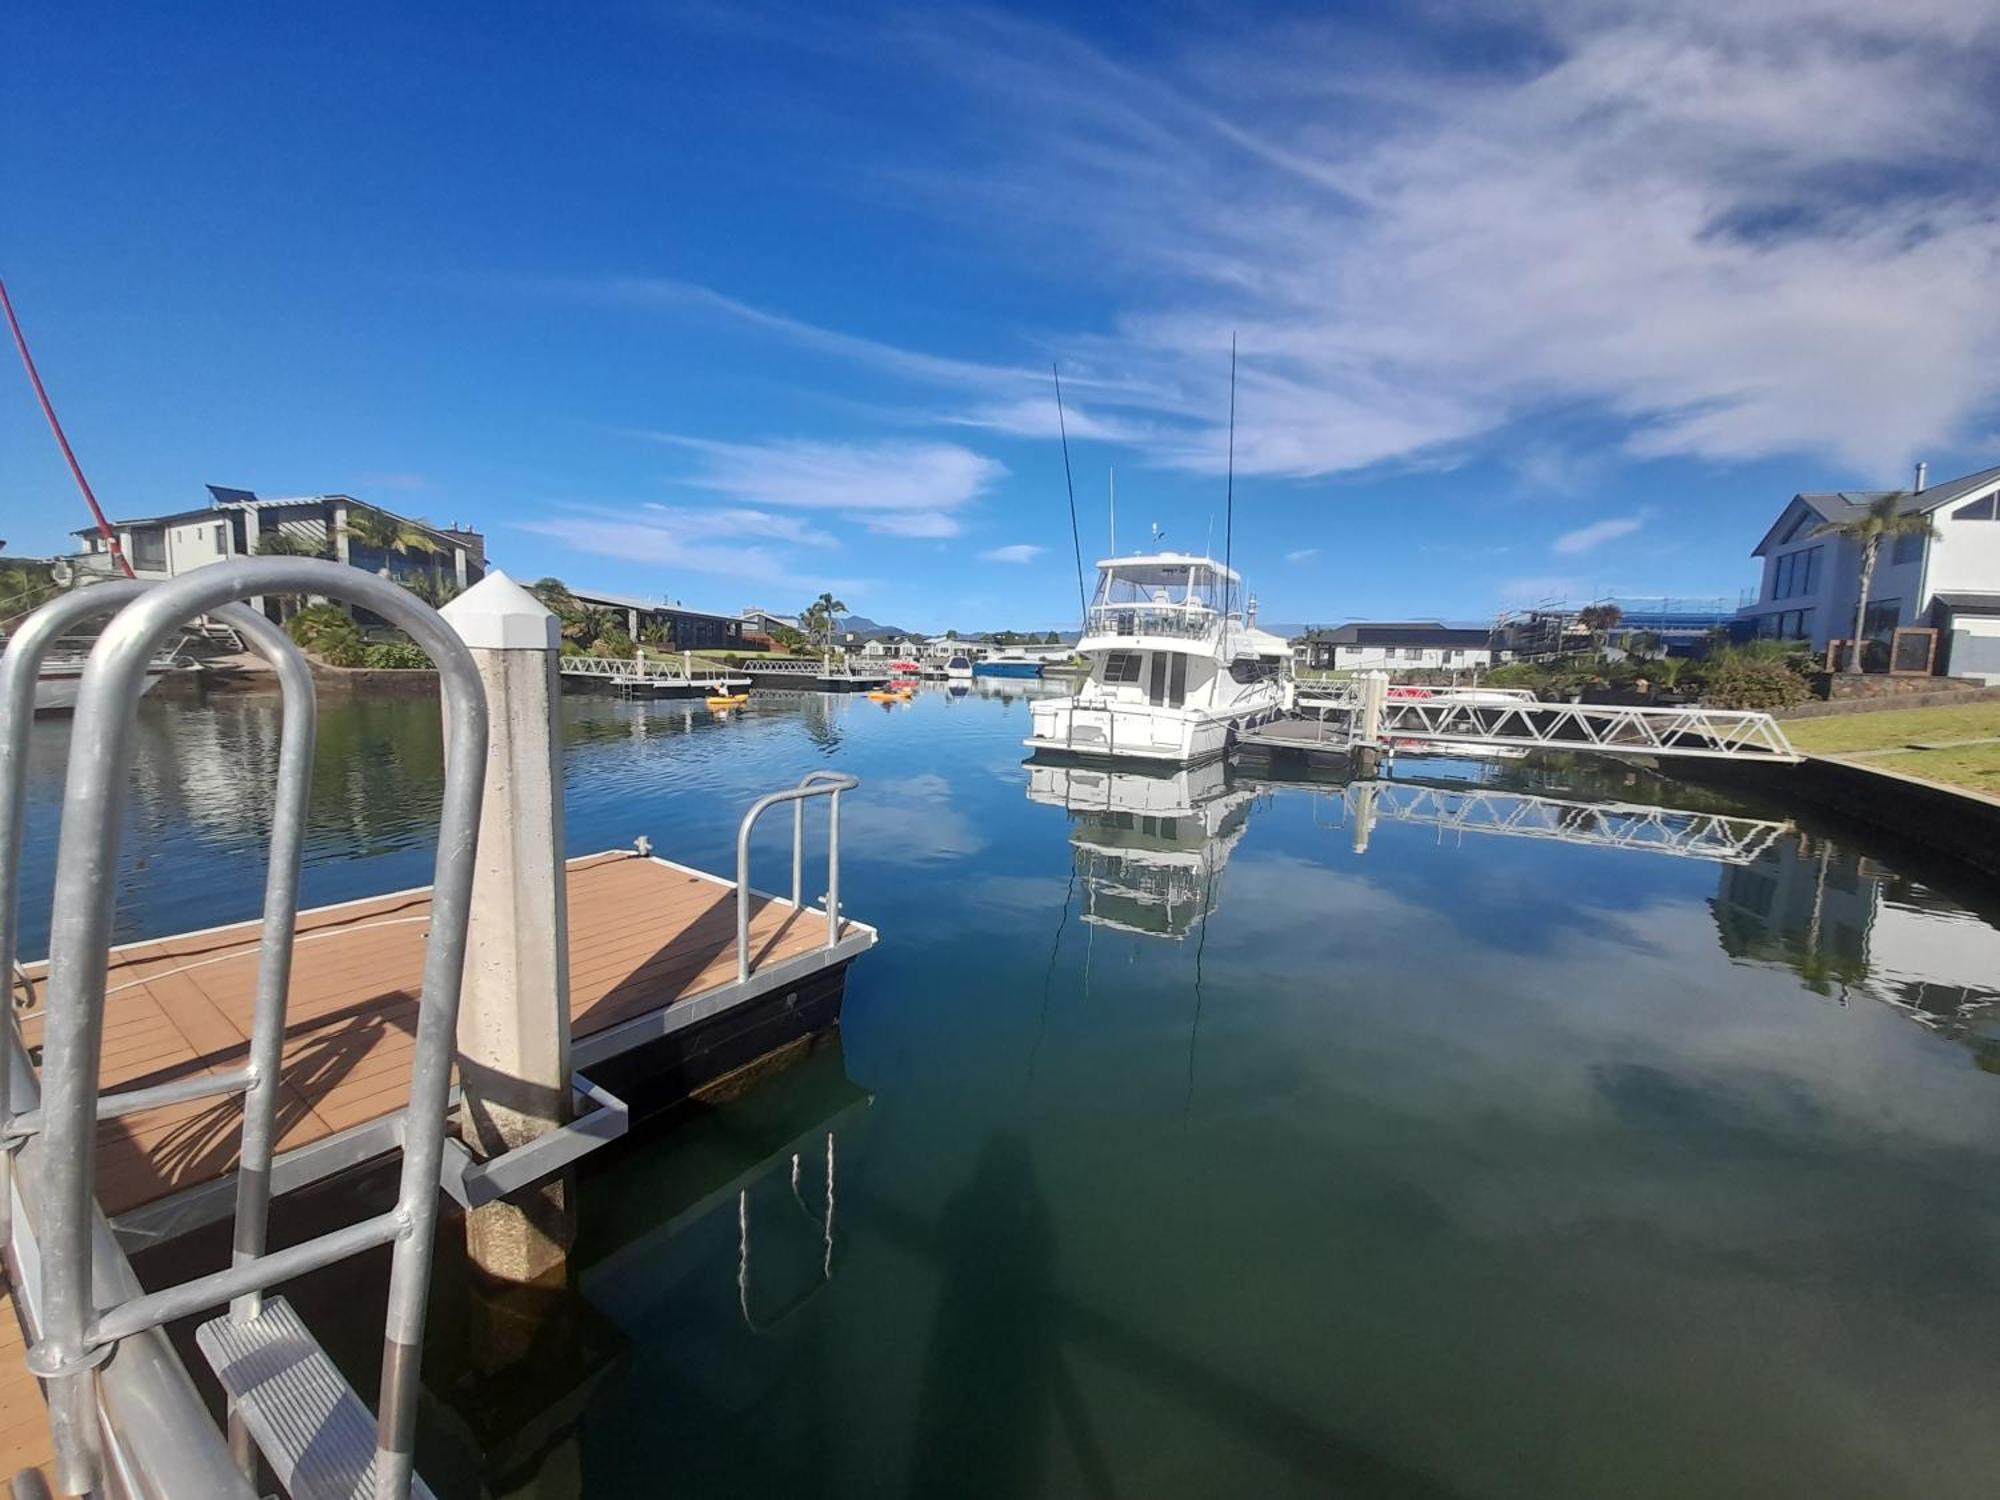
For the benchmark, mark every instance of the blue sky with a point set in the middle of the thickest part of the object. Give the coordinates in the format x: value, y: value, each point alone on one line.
x: 731, y: 304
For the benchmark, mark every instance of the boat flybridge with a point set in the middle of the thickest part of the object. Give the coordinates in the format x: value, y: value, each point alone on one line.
x: 1176, y: 670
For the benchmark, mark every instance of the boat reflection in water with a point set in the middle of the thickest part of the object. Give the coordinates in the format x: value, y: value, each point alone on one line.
x: 1149, y: 845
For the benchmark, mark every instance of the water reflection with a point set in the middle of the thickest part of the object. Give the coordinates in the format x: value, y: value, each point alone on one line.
x: 1149, y: 846
x: 1847, y: 926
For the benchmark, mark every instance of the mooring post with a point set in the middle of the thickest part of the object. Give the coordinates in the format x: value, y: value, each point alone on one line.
x: 1368, y: 721
x: 513, y: 1021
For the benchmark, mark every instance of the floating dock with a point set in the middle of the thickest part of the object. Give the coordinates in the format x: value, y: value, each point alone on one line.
x: 652, y: 953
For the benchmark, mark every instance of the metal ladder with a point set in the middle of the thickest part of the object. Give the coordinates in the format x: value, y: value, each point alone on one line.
x: 123, y: 1426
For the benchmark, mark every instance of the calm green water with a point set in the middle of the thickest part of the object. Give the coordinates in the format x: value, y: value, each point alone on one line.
x: 1186, y: 1151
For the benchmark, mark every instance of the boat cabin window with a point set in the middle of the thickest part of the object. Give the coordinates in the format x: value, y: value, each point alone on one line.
x: 1169, y: 684
x: 1160, y: 585
x: 1121, y: 666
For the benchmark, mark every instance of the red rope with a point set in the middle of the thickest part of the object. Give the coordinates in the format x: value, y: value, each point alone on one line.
x: 49, y: 411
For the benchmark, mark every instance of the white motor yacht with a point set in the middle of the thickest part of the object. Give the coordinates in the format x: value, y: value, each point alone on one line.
x: 1176, y: 669
x: 958, y: 669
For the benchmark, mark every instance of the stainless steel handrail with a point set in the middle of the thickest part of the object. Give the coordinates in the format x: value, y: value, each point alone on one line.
x: 159, y: 1415
x: 77, y: 1335
x: 828, y: 784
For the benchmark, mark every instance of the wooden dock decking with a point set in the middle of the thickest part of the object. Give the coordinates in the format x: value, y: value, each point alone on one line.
x: 24, y: 1422
x: 644, y: 935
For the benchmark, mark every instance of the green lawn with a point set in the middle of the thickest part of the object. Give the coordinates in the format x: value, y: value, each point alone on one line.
x: 1881, y: 740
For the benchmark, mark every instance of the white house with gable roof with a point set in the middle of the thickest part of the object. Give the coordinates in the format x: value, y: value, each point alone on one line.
x: 1950, y: 581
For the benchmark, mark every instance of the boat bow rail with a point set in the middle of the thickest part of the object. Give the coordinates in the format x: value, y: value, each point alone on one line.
x: 133, y: 1424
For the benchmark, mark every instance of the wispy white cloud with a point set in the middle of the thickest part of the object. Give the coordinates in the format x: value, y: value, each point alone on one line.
x: 1019, y: 552
x: 1302, y: 554
x: 1596, y: 534
x: 1733, y: 231
x: 679, y: 543
x: 1036, y: 417
x: 734, y: 521
x: 907, y: 489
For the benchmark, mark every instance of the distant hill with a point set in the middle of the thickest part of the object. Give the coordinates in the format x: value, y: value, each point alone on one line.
x: 862, y: 625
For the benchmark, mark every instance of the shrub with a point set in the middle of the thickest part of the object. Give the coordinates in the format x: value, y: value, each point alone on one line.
x: 398, y: 655
x: 317, y: 623
x: 1752, y: 681
x: 342, y: 650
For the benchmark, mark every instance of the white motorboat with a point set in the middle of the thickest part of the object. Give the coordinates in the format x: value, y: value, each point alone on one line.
x: 958, y: 669
x: 1175, y: 669
x: 57, y: 682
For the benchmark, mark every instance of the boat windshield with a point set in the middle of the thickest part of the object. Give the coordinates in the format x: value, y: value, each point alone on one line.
x: 1160, y: 586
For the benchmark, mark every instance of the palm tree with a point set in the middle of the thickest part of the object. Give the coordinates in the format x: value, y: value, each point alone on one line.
x: 658, y: 634
x: 285, y: 544
x: 1600, y: 620
x: 591, y: 623
x: 390, y: 535
x: 819, y: 619
x: 1884, y: 518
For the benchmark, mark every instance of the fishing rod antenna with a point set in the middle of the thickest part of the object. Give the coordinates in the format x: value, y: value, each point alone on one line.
x: 1075, y: 540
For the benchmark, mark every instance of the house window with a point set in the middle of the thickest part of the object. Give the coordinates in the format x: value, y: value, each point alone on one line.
x: 222, y: 541
x: 1987, y: 509
x: 149, y: 550
x: 1121, y: 666
x: 1881, y: 618
x: 1796, y: 573
x: 1907, y: 550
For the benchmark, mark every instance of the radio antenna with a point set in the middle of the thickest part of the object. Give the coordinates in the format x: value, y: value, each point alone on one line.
x: 1075, y: 541
x: 1229, y: 503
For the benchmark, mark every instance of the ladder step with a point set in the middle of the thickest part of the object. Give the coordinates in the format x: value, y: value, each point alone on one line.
x: 316, y: 1434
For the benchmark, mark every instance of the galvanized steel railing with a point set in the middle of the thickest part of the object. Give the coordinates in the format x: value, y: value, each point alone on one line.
x: 828, y: 784
x: 146, y: 1392
x: 78, y: 1330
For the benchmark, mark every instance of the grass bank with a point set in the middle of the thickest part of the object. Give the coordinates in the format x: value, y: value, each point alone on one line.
x: 1889, y: 740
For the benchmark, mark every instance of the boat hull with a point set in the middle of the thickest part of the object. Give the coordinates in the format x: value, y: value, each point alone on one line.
x: 1007, y: 669
x: 55, y: 692
x: 1068, y: 727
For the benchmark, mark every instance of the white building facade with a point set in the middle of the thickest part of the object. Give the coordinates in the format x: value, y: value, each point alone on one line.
x: 1415, y: 645
x: 1811, y: 583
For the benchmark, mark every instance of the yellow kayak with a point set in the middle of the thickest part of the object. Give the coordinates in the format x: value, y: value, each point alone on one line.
x: 728, y: 700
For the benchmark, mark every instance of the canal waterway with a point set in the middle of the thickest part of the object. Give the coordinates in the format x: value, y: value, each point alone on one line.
x: 1479, y: 1134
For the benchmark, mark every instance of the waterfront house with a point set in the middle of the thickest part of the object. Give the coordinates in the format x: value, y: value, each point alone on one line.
x: 1361, y: 646
x: 687, y: 629
x: 766, y: 622
x: 236, y: 522
x: 239, y: 523
x: 1810, y: 583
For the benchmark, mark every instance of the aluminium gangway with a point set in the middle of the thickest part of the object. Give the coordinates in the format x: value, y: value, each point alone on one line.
x: 1506, y: 720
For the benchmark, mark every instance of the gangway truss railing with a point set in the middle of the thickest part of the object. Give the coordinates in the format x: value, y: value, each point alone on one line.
x: 87, y: 1304
x: 1606, y: 825
x: 648, y: 669
x: 827, y: 784
x: 1482, y: 716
